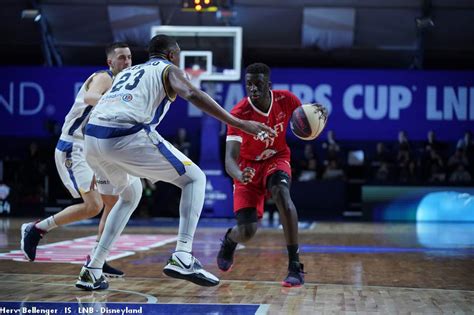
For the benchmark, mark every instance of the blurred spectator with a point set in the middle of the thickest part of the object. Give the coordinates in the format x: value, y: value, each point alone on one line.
x: 432, y: 143
x: 332, y: 148
x: 403, y: 143
x: 308, y: 154
x: 310, y: 173
x: 403, y: 154
x: 460, y: 175
x: 435, y: 168
x: 181, y: 142
x: 333, y: 171
x: 403, y: 157
x: 466, y: 142
x: 381, y: 155
x: 409, y: 173
x: 382, y: 174
x: 458, y: 158
x: 4, y: 201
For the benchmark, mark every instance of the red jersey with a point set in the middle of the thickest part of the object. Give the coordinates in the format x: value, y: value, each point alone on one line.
x: 283, y: 103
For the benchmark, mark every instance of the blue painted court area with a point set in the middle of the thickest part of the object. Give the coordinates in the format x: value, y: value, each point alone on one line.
x: 125, y: 308
x: 377, y: 249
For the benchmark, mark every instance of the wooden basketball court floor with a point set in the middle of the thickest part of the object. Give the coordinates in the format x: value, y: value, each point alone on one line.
x: 352, y: 268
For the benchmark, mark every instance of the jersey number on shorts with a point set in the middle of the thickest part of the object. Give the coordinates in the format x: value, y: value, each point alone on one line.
x: 136, y: 79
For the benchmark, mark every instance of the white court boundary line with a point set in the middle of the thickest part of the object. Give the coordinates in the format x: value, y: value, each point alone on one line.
x: 150, y: 298
x: 261, y: 310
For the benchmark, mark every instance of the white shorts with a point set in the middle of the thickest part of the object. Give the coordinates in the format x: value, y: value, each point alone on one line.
x: 73, y: 169
x: 71, y: 164
x: 117, y: 160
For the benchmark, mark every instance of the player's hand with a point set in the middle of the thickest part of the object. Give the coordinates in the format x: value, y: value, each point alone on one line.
x: 261, y: 131
x: 247, y: 175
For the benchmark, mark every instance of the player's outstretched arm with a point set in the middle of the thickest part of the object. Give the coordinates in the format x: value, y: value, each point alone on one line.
x: 183, y: 87
x: 96, y: 87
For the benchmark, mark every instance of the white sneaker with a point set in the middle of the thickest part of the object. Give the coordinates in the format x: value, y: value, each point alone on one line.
x: 91, y: 279
x: 183, y: 265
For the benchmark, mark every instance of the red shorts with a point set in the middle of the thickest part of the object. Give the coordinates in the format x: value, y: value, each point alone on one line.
x: 252, y: 195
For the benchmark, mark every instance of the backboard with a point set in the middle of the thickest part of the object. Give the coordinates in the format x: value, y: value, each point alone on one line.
x: 213, y: 52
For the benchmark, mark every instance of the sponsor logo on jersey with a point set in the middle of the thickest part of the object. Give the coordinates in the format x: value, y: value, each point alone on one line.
x: 103, y: 182
x: 127, y: 97
x: 280, y: 97
x: 268, y: 153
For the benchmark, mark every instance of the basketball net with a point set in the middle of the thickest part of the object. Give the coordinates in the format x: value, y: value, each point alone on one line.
x: 194, y: 75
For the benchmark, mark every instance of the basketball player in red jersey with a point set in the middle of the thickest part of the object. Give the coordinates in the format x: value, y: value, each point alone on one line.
x: 260, y: 168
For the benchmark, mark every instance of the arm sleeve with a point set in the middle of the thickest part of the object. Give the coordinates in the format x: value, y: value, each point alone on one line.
x: 234, y: 134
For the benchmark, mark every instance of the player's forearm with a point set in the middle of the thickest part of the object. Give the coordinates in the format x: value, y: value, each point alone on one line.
x: 232, y: 168
x: 205, y: 103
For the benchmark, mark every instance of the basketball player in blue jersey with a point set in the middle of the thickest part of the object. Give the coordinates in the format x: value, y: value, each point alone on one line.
x: 75, y: 173
x: 122, y: 144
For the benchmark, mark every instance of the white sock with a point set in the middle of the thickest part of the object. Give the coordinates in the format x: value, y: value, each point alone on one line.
x: 193, y: 185
x: 186, y: 258
x: 94, y: 248
x: 47, y: 224
x: 116, y: 221
x: 97, y: 272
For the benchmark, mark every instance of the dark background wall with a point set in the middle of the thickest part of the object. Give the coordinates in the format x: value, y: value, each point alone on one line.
x: 341, y: 33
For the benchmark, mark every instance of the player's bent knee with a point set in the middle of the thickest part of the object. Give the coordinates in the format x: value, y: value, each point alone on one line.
x: 93, y: 207
x: 194, y: 175
x: 197, y: 175
x: 133, y: 192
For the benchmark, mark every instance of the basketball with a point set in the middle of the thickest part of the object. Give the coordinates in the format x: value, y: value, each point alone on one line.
x: 308, y: 121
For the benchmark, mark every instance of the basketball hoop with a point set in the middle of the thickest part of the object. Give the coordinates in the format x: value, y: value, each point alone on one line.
x: 194, y: 75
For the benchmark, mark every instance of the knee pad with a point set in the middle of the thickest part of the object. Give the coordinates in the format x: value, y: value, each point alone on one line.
x: 246, y: 216
x: 278, y: 178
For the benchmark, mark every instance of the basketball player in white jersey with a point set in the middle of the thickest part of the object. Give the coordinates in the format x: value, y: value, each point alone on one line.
x: 120, y: 143
x: 71, y: 164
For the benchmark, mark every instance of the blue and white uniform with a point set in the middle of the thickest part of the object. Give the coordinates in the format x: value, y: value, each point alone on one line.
x: 121, y: 139
x: 69, y: 155
x: 121, y: 144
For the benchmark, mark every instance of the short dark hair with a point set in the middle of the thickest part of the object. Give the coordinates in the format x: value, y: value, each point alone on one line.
x: 111, y: 48
x: 257, y: 68
x: 161, y: 45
